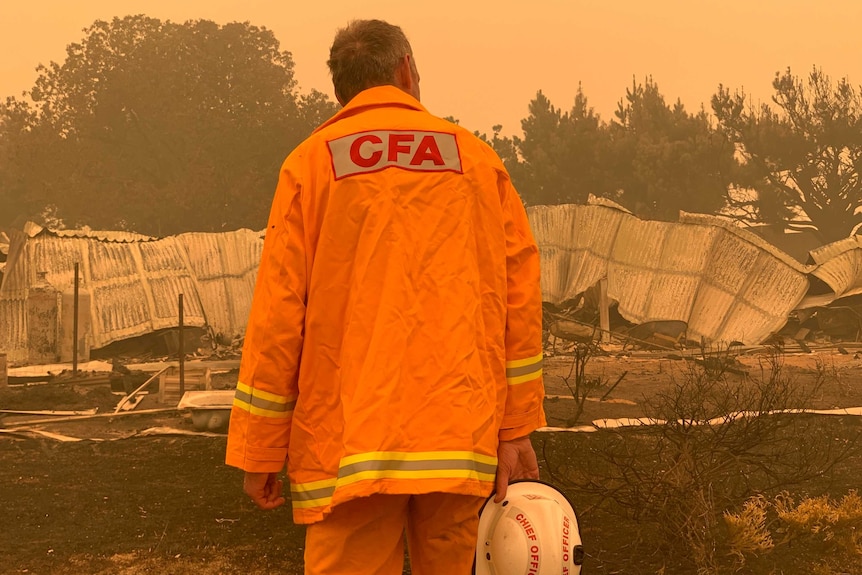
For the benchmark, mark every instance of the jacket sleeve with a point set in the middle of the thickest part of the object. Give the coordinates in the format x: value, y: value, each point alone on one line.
x: 266, y: 392
x: 525, y: 389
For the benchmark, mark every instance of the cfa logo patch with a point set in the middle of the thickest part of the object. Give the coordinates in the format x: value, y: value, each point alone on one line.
x: 376, y: 150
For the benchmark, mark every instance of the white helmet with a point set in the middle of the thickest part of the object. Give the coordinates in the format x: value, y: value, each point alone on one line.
x: 533, y: 531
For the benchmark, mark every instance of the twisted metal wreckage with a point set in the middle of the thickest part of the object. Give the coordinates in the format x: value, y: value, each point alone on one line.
x: 723, y: 282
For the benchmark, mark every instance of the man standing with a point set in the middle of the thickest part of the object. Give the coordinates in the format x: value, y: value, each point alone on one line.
x: 393, y: 352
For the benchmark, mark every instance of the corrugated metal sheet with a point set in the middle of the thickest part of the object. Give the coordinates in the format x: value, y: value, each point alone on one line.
x: 725, y: 283
x: 134, y: 285
x: 839, y: 265
x: 652, y: 259
x: 575, y: 244
x: 32, y: 230
x: 225, y: 267
x: 13, y: 299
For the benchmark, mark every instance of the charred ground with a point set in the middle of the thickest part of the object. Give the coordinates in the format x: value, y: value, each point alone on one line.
x: 132, y: 498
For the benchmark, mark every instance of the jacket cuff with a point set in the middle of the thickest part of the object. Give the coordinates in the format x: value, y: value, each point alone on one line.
x: 521, y: 424
x: 258, y: 459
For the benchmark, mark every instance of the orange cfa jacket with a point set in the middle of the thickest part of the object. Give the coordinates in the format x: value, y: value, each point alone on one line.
x: 395, y: 332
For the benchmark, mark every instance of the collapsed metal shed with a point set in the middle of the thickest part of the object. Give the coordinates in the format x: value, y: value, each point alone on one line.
x: 133, y: 281
x: 725, y: 283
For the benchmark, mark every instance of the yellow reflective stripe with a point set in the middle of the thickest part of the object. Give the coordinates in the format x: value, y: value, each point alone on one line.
x: 260, y: 411
x: 265, y: 395
x: 524, y: 378
x: 322, y: 502
x: 415, y: 474
x: 313, y: 485
x: 524, y: 370
x: 395, y: 465
x: 523, y: 362
x: 418, y: 456
x: 263, y: 403
x: 312, y: 494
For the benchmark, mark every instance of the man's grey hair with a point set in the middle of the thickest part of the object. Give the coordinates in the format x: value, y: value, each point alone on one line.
x: 365, y: 54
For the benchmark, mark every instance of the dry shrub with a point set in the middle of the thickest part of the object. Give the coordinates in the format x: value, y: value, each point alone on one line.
x: 819, y: 526
x: 746, y: 531
x: 720, y: 437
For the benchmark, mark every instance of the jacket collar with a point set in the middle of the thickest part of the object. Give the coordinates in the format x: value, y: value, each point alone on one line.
x: 376, y: 97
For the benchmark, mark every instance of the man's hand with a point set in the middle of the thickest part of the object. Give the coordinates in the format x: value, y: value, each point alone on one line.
x: 265, y: 489
x: 516, y: 459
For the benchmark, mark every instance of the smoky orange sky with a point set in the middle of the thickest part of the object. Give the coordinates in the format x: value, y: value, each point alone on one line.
x: 483, y: 62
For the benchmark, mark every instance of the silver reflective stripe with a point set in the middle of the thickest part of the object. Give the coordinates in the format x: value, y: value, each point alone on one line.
x: 242, y: 395
x: 323, y: 492
x: 255, y: 401
x: 395, y: 465
x: 427, y: 465
x: 524, y: 369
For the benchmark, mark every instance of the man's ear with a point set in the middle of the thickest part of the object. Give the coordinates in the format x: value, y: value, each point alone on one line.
x: 403, y: 74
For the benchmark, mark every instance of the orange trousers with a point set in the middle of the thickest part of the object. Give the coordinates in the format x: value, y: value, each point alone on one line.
x: 365, y: 536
